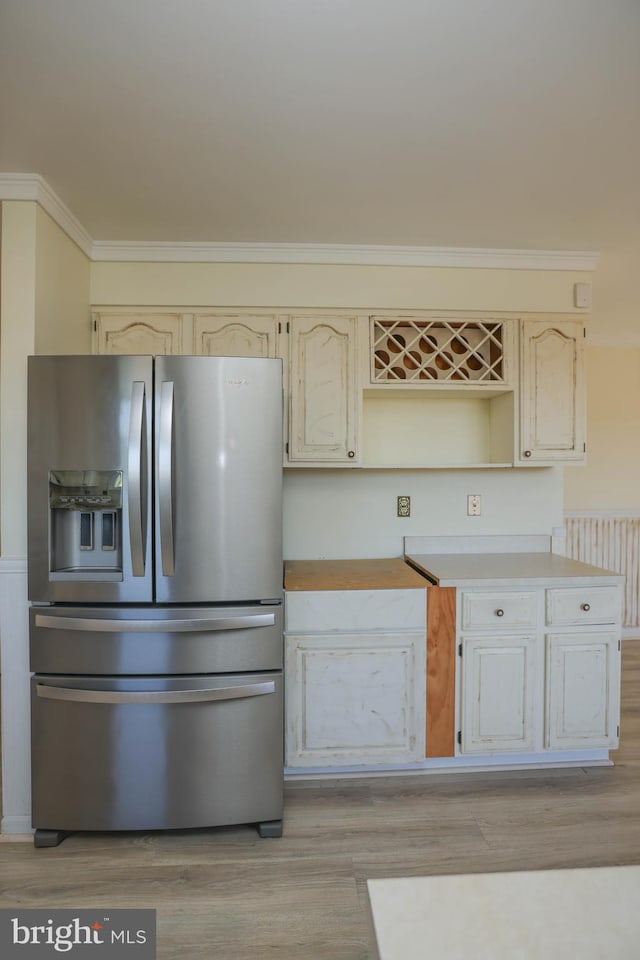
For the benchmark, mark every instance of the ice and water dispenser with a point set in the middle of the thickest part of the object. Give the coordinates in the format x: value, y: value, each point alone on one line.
x: 85, y: 514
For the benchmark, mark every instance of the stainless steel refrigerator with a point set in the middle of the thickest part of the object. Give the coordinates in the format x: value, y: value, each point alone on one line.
x: 155, y: 575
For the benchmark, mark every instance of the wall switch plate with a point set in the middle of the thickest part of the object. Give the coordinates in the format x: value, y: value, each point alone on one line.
x: 474, y: 505
x: 582, y: 295
x: 404, y: 506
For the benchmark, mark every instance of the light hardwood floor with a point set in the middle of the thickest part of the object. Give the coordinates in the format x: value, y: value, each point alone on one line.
x: 226, y: 894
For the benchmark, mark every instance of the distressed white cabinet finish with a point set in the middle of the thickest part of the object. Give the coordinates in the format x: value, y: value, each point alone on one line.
x: 324, y: 389
x: 228, y: 334
x: 320, y: 370
x: 143, y: 332
x: 498, y: 691
x: 353, y: 699
x: 486, y: 610
x: 555, y: 687
x: 552, y: 427
x: 355, y: 670
x: 411, y: 389
x: 579, y: 606
x: 583, y: 691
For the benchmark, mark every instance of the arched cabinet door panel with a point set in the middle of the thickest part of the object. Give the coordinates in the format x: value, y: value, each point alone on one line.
x: 235, y: 335
x: 552, y: 391
x: 324, y: 389
x: 153, y: 334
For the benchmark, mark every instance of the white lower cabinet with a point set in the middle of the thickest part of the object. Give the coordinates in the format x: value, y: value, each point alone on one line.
x: 555, y: 686
x: 498, y: 694
x: 583, y: 690
x: 354, y: 700
x: 355, y: 693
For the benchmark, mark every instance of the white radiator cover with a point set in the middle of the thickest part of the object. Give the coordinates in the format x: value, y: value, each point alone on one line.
x: 609, y: 539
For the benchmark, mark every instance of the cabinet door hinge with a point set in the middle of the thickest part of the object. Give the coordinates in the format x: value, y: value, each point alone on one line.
x: 286, y: 447
x: 584, y: 448
x: 460, y: 737
x: 95, y: 325
x: 459, y: 649
x: 618, y: 733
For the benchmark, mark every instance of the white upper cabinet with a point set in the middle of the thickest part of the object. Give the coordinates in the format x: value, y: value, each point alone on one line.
x: 146, y: 333
x: 230, y: 334
x: 552, y: 391
x: 324, y: 389
x: 411, y: 389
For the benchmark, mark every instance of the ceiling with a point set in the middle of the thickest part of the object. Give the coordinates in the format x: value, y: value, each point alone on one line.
x: 469, y: 123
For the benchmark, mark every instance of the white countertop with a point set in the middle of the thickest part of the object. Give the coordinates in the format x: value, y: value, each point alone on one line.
x: 475, y: 569
x: 535, y: 915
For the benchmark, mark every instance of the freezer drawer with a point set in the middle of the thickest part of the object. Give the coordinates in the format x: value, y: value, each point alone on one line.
x: 155, y: 640
x: 113, y: 753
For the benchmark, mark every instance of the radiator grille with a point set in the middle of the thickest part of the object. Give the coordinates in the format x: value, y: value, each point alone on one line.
x: 613, y: 542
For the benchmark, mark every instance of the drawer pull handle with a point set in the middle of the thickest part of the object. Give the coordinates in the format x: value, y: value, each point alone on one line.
x: 585, y: 606
x: 499, y: 613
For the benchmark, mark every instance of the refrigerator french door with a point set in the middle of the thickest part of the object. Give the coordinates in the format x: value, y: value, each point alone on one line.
x: 155, y: 575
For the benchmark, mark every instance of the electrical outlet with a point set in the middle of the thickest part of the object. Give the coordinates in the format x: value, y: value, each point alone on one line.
x: 474, y: 505
x: 404, y: 506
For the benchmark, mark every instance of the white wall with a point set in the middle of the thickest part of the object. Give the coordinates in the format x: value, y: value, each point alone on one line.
x: 352, y: 513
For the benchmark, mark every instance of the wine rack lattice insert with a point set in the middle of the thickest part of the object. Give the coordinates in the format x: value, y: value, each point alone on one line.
x: 405, y: 349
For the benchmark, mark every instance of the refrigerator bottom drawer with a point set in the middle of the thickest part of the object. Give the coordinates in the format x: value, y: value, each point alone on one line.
x: 144, y: 753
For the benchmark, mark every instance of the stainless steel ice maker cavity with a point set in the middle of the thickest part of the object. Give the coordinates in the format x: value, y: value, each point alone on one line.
x: 85, y: 524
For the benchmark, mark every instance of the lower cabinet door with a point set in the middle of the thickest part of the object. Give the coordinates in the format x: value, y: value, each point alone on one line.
x: 498, y: 694
x: 355, y: 699
x: 582, y: 696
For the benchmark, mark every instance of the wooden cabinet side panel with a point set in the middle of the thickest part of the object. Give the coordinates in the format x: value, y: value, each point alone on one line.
x: 441, y: 662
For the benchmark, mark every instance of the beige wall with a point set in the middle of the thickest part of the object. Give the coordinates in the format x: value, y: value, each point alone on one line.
x: 315, y: 285
x: 611, y: 478
x: 17, y: 305
x: 44, y: 308
x: 62, y: 313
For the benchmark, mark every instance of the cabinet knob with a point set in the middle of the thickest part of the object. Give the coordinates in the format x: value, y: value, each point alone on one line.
x: 585, y: 606
x: 527, y: 453
x: 351, y: 454
x: 499, y: 613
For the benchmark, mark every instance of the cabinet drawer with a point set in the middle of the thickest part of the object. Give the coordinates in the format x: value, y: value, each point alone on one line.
x: 340, y: 611
x: 482, y: 611
x: 583, y: 605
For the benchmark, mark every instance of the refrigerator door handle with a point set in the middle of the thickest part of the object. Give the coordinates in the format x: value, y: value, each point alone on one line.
x: 165, y: 478
x: 156, y: 696
x: 135, y: 474
x: 112, y: 625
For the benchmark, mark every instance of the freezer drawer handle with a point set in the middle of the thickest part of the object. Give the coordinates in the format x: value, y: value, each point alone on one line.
x: 136, y: 479
x: 156, y: 696
x: 155, y: 626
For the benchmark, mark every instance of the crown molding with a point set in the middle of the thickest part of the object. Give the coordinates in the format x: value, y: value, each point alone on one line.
x: 28, y: 186
x: 366, y: 255
x: 31, y: 186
